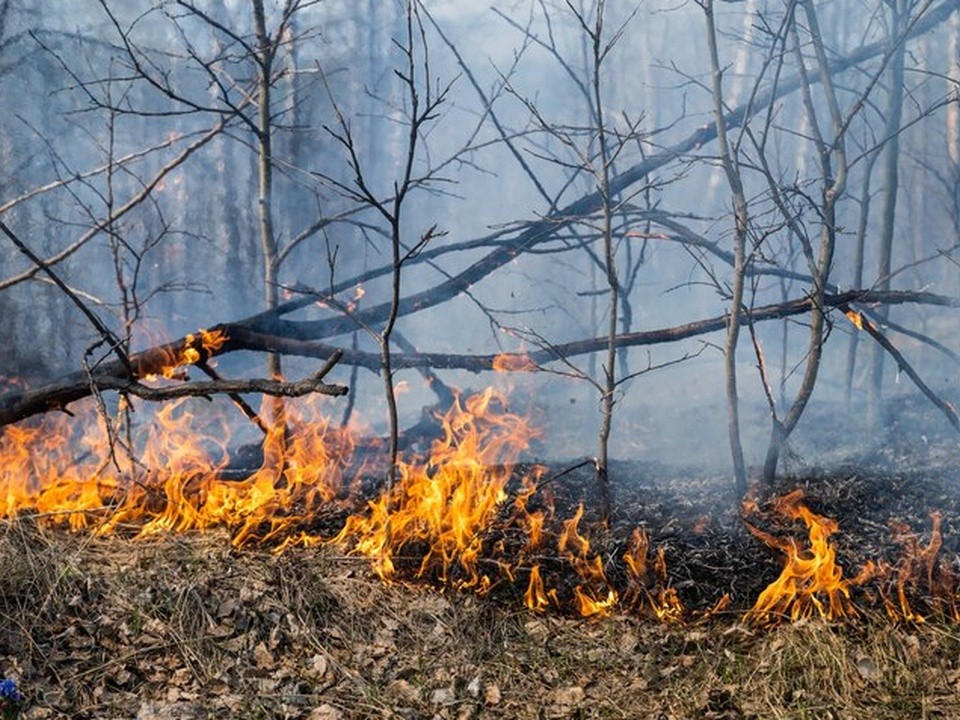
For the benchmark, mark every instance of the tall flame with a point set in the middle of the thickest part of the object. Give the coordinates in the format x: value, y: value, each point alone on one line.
x: 443, y: 505
x: 166, y: 482
x: 811, y: 583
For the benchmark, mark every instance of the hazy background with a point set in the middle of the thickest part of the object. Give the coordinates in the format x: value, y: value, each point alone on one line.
x: 190, y: 250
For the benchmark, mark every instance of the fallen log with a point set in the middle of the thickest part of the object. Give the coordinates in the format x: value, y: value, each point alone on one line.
x: 58, y: 395
x: 241, y: 335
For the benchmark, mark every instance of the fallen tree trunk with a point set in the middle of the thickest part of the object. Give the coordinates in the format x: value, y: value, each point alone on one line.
x: 58, y: 395
x: 244, y: 335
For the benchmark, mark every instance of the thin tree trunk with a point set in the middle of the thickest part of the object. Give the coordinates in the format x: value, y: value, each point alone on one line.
x: 891, y: 180
x: 613, y: 281
x: 834, y: 183
x: 268, y: 243
x: 739, y: 259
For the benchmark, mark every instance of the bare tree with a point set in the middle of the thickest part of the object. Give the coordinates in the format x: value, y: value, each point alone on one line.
x: 741, y: 220
x: 422, y: 105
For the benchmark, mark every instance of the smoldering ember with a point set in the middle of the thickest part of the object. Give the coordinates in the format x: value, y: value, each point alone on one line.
x: 418, y: 358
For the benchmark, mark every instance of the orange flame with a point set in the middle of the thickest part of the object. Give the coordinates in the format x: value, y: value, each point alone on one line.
x: 594, y: 596
x: 166, y: 482
x: 445, y: 504
x: 811, y: 583
x: 855, y: 317
x: 536, y: 597
x: 921, y: 567
x: 195, y: 347
x: 514, y: 362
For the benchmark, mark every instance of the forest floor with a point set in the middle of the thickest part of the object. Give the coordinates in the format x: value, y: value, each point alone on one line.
x: 188, y: 627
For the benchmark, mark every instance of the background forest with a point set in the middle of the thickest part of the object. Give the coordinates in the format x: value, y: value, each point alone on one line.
x: 525, y: 175
x: 708, y: 254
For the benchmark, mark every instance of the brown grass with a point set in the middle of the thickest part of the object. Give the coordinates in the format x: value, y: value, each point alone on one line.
x: 188, y: 628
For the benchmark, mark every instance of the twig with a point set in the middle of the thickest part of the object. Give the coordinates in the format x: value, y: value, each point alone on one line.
x: 238, y: 400
x: 874, y: 332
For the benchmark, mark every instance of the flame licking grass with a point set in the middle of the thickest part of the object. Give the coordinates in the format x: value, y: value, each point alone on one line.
x: 442, y: 507
x: 594, y: 596
x: 811, y: 583
x: 451, y: 518
x: 922, y: 571
x: 170, y: 484
x: 464, y: 516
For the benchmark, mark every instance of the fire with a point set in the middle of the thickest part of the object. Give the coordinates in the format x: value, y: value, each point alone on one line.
x: 466, y: 515
x: 166, y: 481
x: 662, y: 599
x: 855, y: 317
x: 442, y: 506
x: 921, y: 568
x: 536, y: 597
x: 811, y: 583
x: 514, y: 362
x: 594, y: 596
x: 196, y: 347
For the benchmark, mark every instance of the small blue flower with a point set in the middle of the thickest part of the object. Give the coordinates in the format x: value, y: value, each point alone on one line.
x: 9, y: 691
x: 10, y: 699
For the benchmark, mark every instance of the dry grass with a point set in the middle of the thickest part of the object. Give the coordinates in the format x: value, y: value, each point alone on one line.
x: 187, y: 628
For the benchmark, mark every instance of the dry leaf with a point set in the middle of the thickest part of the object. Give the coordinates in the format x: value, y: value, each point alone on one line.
x: 325, y: 712
x: 404, y: 691
x: 263, y: 657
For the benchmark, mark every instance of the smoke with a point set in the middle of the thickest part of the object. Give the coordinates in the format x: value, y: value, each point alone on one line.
x: 105, y: 102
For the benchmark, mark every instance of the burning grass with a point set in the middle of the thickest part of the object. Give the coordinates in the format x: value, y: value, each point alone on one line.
x: 278, y: 607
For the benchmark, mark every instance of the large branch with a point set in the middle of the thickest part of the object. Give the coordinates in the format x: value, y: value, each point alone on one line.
x: 248, y: 339
x: 244, y: 335
x: 537, y: 232
x: 153, y: 362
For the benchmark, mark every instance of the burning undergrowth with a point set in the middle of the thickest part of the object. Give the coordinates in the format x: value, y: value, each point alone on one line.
x: 470, y: 516
x: 262, y: 592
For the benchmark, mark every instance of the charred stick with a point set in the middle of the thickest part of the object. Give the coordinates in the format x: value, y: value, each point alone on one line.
x: 237, y: 399
x: 57, y: 397
x: 265, y: 386
x: 874, y: 332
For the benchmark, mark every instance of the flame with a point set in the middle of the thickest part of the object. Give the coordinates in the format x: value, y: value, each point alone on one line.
x: 858, y: 319
x: 855, y: 317
x: 921, y: 567
x: 536, y: 597
x: 195, y: 347
x: 811, y: 583
x: 513, y: 362
x: 443, y: 505
x: 593, y: 596
x: 166, y: 481
x: 463, y: 515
